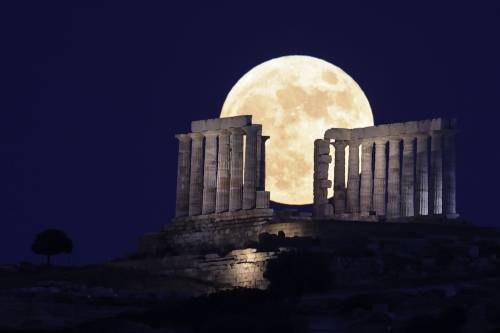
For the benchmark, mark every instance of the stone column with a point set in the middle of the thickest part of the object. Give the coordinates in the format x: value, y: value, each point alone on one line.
x: 196, y: 175
x: 353, y: 178
x: 236, y: 169
x: 261, y: 162
x: 250, y: 172
x: 437, y: 172
x: 321, y: 184
x: 449, y: 184
x: 422, y: 184
x: 407, y: 183
x: 366, y: 178
x: 183, y: 161
x: 339, y: 193
x: 379, y: 178
x: 393, y: 180
x: 223, y: 164
x: 210, y: 172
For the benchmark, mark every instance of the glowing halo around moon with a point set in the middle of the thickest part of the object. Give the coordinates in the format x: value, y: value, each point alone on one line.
x: 296, y: 99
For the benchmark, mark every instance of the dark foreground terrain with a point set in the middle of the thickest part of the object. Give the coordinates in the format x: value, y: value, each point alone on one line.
x: 109, y: 299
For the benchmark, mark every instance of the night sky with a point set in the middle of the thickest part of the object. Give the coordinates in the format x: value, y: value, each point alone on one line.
x: 92, y: 95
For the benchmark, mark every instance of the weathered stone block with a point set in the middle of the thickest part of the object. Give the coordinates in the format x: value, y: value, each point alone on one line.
x: 396, y: 129
x: 370, y: 132
x: 357, y: 133
x: 262, y: 199
x: 238, y: 121
x: 220, y: 123
x: 324, y: 159
x: 382, y: 130
x: 198, y: 126
x: 338, y: 134
x: 424, y: 125
x: 212, y: 124
x: 321, y: 147
x: 411, y: 127
x: 321, y: 173
x: 437, y: 124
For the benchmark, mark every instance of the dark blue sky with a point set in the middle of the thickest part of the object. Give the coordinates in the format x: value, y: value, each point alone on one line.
x: 92, y: 94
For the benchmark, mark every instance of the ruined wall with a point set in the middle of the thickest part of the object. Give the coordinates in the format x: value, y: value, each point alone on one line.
x: 360, y: 252
x: 238, y: 268
x: 212, y: 236
x: 204, y: 235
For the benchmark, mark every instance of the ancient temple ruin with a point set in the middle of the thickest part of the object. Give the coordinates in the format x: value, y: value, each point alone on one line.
x: 223, y: 223
x: 406, y: 170
x: 221, y: 168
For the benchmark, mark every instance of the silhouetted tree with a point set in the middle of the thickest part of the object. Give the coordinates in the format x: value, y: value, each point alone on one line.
x: 51, y: 242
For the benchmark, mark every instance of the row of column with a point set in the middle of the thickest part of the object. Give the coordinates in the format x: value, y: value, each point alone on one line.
x: 405, y: 190
x: 211, y: 174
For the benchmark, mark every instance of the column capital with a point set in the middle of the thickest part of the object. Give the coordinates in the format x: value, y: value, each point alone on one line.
x: 236, y: 130
x: 367, y: 145
x: 354, y: 142
x: 208, y: 134
x: 196, y: 136
x: 224, y: 132
x: 408, y: 139
x: 251, y: 129
x: 437, y: 133
x: 183, y: 137
x: 339, y: 144
x: 394, y: 140
x: 380, y: 141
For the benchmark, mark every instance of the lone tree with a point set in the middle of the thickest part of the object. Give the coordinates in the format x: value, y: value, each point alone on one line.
x: 51, y: 242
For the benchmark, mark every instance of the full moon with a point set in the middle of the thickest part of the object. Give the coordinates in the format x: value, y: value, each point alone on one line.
x: 296, y: 99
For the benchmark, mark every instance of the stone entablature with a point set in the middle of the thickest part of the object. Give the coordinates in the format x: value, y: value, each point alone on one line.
x: 220, y: 123
x: 398, y: 130
x: 413, y: 173
x: 214, y: 174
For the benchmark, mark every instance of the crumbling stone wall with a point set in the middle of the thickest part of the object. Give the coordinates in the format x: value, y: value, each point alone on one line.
x: 239, y: 268
x: 202, y: 235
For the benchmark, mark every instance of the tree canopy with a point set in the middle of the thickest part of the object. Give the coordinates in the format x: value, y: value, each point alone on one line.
x: 51, y: 242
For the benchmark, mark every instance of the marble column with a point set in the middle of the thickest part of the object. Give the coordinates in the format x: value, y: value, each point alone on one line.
x: 210, y: 172
x: 407, y: 182
x: 261, y: 162
x: 353, y: 178
x: 422, y: 182
x: 183, y: 161
x: 321, y: 183
x: 437, y: 173
x: 366, y: 178
x: 196, y: 175
x: 223, y: 164
x: 236, y: 169
x: 339, y: 192
x: 379, y: 181
x: 250, y: 172
x: 393, y: 180
x: 449, y: 181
